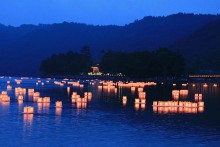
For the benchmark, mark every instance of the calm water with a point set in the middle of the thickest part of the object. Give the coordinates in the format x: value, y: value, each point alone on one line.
x: 105, y: 121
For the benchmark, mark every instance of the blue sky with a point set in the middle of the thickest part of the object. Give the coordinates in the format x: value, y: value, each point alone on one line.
x: 102, y: 12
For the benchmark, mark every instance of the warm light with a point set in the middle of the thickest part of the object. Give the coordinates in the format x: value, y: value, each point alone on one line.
x: 20, y: 97
x: 140, y: 89
x: 136, y: 106
x: 28, y: 118
x: 205, y: 85
x: 58, y: 103
x: 29, y: 110
x: 143, y: 106
x: 132, y: 88
x: 58, y: 110
x: 9, y: 87
x: 124, y: 98
x: 40, y: 100
x: 46, y: 100
x: 200, y: 104
x: 201, y: 109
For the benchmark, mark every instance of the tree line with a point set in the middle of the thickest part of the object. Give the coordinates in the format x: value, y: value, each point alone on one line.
x: 139, y: 64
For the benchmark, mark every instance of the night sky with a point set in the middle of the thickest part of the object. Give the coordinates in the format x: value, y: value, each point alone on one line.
x: 102, y: 12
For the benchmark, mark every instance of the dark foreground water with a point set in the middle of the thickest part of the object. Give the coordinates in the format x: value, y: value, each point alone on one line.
x: 105, y: 121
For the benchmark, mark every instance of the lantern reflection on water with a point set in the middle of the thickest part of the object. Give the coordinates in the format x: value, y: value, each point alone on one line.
x: 58, y: 110
x: 28, y: 118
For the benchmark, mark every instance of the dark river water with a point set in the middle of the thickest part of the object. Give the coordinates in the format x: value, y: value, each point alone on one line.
x: 105, y: 120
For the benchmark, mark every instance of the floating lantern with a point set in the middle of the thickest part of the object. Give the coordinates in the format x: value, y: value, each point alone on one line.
x: 40, y: 100
x: 137, y: 100
x: 205, y: 85
x: 58, y: 103
x: 215, y: 85
x: 143, y: 101
x: 36, y: 94
x: 124, y: 98
x: 20, y: 97
x: 29, y: 110
x: 200, y: 104
x: 30, y: 91
x: 154, y: 103
x: 142, y: 95
x: 140, y: 89
x: 46, y: 99
x: 9, y: 87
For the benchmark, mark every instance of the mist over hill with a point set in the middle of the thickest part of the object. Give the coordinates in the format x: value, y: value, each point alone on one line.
x: 24, y: 47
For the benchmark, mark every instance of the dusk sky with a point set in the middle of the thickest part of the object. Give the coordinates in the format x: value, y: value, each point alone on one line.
x: 102, y: 12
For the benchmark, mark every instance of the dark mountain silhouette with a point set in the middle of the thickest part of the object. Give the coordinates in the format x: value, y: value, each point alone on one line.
x: 202, y: 48
x: 24, y: 47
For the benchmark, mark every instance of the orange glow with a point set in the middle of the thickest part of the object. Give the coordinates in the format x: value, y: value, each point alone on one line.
x: 124, y: 98
x: 200, y: 104
x: 140, y: 89
x: 28, y: 110
x: 136, y: 106
x: 58, y: 110
x: 132, y: 88
x: 205, y: 85
x: 58, y: 103
x: 142, y: 95
x: 174, y: 84
x: 28, y: 118
x: 9, y: 87
x: 20, y: 102
x: 124, y: 102
x: 201, y: 109
x: 20, y: 97
x: 40, y: 100
x: 46, y: 100
x: 215, y: 85
x: 155, y: 108
x: 143, y: 106
x: 36, y: 94
x: 198, y: 97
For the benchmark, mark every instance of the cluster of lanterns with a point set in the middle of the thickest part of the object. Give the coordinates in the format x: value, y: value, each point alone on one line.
x: 139, y: 102
x: 177, y: 107
x: 81, y: 102
x: 4, y: 97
